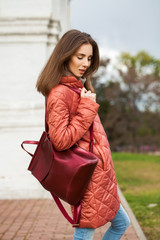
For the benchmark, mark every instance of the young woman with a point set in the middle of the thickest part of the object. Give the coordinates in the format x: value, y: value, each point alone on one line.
x: 69, y: 116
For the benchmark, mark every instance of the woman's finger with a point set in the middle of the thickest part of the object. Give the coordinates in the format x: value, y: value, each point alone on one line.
x: 83, y: 90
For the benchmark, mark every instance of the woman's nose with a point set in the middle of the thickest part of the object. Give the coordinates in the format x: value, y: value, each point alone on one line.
x: 86, y: 63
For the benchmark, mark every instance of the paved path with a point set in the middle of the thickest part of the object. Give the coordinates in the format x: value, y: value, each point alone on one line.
x: 36, y: 219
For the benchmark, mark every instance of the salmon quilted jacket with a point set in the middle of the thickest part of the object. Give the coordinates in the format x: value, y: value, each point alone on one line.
x: 69, y: 118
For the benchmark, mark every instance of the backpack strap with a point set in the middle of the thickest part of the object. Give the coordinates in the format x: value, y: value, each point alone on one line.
x: 76, y: 212
x: 77, y: 208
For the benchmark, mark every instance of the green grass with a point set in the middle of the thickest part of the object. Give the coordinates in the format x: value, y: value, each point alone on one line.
x: 138, y: 176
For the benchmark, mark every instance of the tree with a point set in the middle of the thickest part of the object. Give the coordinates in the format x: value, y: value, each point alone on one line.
x: 140, y: 75
x: 130, y: 101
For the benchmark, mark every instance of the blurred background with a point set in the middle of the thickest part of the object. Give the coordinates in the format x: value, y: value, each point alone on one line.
x: 127, y: 85
x: 128, y: 81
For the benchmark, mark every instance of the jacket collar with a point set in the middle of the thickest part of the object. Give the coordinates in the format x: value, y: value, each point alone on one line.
x: 71, y: 81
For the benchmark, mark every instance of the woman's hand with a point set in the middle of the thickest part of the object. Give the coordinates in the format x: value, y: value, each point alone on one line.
x: 88, y: 94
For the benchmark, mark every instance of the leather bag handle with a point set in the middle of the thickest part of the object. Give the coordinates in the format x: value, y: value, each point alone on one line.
x: 29, y: 142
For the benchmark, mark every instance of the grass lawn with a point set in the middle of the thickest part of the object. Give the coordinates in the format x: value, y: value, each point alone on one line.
x: 138, y: 176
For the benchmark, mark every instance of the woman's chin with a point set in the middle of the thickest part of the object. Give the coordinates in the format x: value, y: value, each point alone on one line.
x: 78, y: 75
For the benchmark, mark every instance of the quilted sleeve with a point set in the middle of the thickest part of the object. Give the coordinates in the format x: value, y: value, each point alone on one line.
x: 63, y: 132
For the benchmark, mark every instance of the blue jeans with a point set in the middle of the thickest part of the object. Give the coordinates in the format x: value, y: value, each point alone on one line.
x: 118, y: 227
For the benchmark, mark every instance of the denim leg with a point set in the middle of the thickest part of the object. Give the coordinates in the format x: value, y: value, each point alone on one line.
x: 118, y: 225
x: 83, y: 234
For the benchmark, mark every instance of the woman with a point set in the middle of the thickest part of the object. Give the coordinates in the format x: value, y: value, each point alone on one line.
x: 69, y: 116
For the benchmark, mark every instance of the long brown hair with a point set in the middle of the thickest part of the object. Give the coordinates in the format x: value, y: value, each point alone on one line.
x: 58, y: 61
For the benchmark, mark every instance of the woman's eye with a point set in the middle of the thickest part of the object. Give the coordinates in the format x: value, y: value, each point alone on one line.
x: 81, y: 58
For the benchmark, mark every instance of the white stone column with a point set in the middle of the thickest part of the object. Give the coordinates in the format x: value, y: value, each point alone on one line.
x: 29, y: 30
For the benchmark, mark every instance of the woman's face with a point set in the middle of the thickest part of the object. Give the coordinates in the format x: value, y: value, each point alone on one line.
x: 81, y: 60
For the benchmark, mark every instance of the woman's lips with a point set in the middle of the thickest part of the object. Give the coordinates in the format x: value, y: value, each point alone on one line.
x: 82, y: 71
